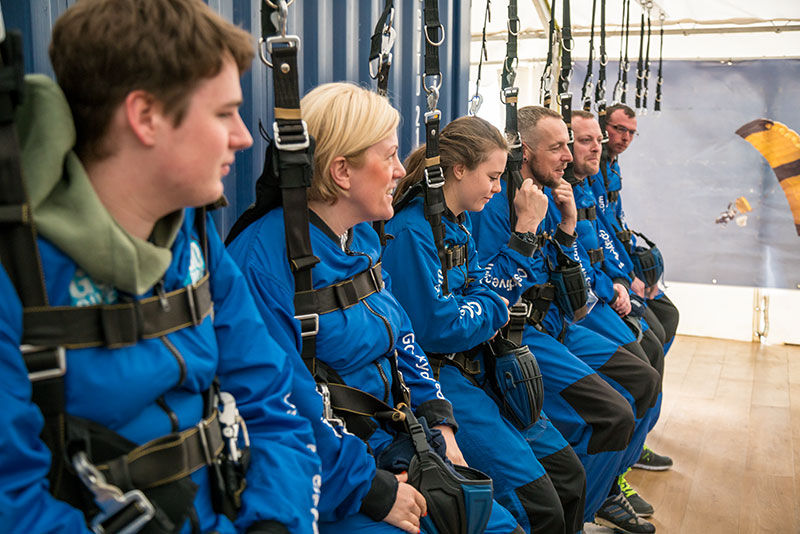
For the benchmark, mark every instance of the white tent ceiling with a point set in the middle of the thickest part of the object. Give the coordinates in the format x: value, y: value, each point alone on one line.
x: 693, y: 28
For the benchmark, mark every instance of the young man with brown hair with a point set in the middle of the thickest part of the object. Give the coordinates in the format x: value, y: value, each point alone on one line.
x: 160, y: 340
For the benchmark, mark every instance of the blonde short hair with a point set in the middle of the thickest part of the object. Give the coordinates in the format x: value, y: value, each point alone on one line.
x: 345, y: 120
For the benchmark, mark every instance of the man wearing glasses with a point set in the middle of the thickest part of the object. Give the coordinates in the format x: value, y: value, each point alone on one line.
x: 661, y: 315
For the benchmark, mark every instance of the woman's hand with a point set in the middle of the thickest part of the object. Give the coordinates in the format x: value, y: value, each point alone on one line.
x: 453, y: 452
x: 409, y: 506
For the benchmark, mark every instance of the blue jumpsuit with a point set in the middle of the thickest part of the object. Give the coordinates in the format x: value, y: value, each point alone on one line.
x: 595, y: 419
x: 468, y: 316
x: 609, y: 203
x: 604, y: 274
x: 123, y: 389
x: 611, y: 353
x: 356, y: 343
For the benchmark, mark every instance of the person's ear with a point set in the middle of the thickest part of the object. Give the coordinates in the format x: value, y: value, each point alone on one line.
x: 144, y: 115
x: 340, y: 172
x: 459, y: 170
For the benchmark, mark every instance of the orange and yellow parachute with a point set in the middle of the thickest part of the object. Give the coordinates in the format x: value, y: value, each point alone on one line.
x: 780, y: 146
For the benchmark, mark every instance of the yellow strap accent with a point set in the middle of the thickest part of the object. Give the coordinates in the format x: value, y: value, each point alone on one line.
x: 288, y: 113
x: 430, y: 162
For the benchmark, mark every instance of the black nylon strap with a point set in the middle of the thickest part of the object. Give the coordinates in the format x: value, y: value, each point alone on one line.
x: 659, y: 82
x: 354, y: 401
x: 477, y: 99
x: 596, y: 255
x: 586, y: 91
x: 564, y: 95
x: 456, y: 256
x: 640, y: 66
x: 168, y: 458
x: 510, y: 97
x: 433, y: 32
x: 383, y: 29
x: 117, y: 325
x: 646, y: 79
x: 613, y: 196
x: 600, y: 89
x: 342, y: 295
x: 587, y: 214
x: 545, y: 92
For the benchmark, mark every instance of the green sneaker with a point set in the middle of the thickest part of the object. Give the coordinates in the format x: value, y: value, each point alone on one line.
x: 640, y: 506
x: 651, y: 461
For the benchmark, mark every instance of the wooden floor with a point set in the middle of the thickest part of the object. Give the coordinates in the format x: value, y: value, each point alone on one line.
x: 731, y: 422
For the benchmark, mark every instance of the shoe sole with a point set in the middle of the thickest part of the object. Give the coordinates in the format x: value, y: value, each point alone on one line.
x: 652, y: 468
x: 608, y: 524
x: 645, y: 514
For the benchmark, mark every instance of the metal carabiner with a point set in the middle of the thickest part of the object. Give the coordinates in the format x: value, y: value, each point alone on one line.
x: 475, y: 104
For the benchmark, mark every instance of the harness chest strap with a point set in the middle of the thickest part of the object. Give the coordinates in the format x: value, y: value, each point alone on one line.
x: 587, y: 214
x: 117, y: 325
x: 596, y: 255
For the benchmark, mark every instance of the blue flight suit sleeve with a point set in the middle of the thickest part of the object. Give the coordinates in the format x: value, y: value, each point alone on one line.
x: 348, y: 470
x: 427, y: 399
x: 451, y: 323
x: 512, y: 265
x: 283, y: 478
x: 25, y: 502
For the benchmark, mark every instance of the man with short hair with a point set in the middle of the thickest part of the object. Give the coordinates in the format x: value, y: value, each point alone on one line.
x: 621, y: 127
x: 164, y: 357
x: 545, y: 157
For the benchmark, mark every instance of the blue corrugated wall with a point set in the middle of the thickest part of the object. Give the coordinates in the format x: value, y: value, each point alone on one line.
x: 335, y: 37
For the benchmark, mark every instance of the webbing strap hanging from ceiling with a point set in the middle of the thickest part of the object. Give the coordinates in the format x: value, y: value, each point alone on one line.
x: 380, y: 52
x: 600, y: 89
x: 660, y: 80
x: 547, y: 74
x: 476, y: 100
x: 646, y: 80
x: 564, y: 76
x: 295, y: 156
x: 640, y: 67
x: 509, y: 95
x: 586, y: 91
x: 380, y: 61
x: 621, y: 87
x: 433, y: 181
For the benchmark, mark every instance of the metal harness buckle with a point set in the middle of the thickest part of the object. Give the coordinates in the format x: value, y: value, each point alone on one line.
x: 327, y: 409
x: 110, y: 499
x: 43, y: 374
x: 232, y: 423
x: 288, y: 146
x: 308, y: 333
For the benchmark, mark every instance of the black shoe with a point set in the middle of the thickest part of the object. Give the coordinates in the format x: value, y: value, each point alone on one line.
x: 617, y: 513
x: 640, y: 506
x: 651, y: 461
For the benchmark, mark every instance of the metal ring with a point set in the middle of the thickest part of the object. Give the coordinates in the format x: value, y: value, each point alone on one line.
x: 433, y: 88
x: 425, y: 31
x: 604, y: 59
x: 572, y: 44
x: 270, y: 4
x: 262, y: 43
x: 508, y: 25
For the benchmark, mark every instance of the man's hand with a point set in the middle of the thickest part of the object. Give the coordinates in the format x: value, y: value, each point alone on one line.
x: 453, y: 452
x: 637, y: 286
x: 565, y: 201
x: 408, y: 506
x: 653, y: 291
x: 530, y: 204
x: 622, y: 305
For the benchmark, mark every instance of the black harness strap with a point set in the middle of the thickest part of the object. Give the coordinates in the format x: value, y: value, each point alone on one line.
x: 564, y: 95
x: 596, y: 255
x: 600, y: 90
x: 476, y: 100
x: 586, y: 91
x: 547, y: 74
x: 342, y: 295
x: 646, y: 80
x: 381, y: 48
x: 640, y: 66
x: 621, y: 87
x: 660, y: 81
x: 587, y: 214
x: 433, y: 182
x: 509, y: 95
